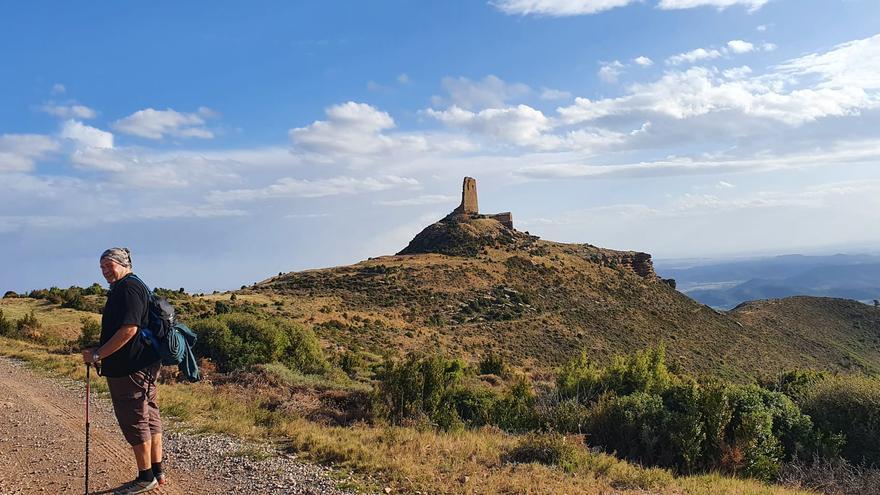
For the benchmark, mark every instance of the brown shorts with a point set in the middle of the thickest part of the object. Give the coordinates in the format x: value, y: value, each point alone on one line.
x: 134, y: 402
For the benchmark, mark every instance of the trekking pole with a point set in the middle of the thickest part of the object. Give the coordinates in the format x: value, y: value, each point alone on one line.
x: 88, y: 390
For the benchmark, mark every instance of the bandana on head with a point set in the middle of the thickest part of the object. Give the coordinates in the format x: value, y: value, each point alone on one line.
x: 121, y: 256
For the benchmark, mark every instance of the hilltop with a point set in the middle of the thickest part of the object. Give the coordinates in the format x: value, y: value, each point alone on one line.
x: 471, y: 283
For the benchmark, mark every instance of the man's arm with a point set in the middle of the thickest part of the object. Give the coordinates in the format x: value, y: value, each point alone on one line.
x: 119, y: 339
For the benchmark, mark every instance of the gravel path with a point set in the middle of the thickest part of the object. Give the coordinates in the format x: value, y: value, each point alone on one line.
x: 42, y: 438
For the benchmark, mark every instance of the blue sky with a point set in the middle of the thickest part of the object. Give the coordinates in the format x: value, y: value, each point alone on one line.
x: 224, y: 142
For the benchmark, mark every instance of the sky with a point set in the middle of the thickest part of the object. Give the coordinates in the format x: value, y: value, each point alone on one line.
x: 224, y: 141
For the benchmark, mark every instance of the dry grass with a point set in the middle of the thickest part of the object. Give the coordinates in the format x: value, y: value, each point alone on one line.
x: 57, y: 322
x: 407, y: 459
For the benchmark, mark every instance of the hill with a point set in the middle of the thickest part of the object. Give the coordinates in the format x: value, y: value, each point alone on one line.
x: 471, y: 283
x: 824, y: 332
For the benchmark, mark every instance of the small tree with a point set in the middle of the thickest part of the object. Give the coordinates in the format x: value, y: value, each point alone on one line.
x: 90, y: 333
x: 7, y: 327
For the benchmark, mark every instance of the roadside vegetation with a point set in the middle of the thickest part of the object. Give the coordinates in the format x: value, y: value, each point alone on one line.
x: 440, y: 424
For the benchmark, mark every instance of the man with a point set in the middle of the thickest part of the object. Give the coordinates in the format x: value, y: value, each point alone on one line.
x: 131, y: 367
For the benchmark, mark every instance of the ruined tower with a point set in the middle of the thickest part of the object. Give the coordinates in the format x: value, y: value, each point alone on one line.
x: 469, y: 205
x: 468, y: 197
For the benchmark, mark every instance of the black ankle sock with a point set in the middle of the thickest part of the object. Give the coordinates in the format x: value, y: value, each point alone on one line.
x: 145, y: 475
x: 157, y: 468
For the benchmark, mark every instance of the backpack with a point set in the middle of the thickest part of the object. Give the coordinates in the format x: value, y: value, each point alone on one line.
x: 172, y: 340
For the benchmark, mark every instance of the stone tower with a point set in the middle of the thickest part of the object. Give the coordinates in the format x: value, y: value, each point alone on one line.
x: 468, y: 197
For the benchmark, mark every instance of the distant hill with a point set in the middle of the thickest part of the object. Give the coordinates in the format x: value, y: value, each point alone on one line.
x: 471, y: 283
x: 724, y: 285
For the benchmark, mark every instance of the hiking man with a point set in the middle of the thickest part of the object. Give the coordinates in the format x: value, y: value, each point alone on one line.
x: 131, y: 367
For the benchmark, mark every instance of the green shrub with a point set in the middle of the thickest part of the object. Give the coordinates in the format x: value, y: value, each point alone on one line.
x: 239, y: 340
x: 493, y: 364
x: 350, y: 363
x: 684, y: 428
x: 565, y: 416
x: 796, y: 384
x: 848, y: 407
x: 630, y: 425
x: 7, y: 326
x: 515, y: 410
x: 474, y: 405
x: 419, y: 387
x: 94, y: 290
x: 303, y: 351
x: 90, y: 333
x: 644, y: 371
x: 75, y: 301
x: 27, y: 324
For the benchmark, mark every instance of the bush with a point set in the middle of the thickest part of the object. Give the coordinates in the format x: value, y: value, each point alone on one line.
x: 796, y: 384
x: 493, y: 364
x: 849, y: 407
x: 515, y: 410
x: 94, y: 290
x: 75, y: 301
x: 303, y: 351
x: 7, y: 327
x: 350, y: 363
x: 239, y: 340
x: 90, y: 333
x: 28, y: 325
x: 10, y: 294
x: 630, y: 425
x: 419, y: 387
x: 475, y: 406
x: 645, y: 371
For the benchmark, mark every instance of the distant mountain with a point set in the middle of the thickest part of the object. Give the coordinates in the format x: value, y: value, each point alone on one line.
x: 727, y: 284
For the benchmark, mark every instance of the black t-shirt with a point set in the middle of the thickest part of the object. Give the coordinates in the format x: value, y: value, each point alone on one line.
x: 127, y: 304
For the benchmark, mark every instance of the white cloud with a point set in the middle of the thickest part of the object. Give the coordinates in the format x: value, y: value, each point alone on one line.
x: 752, y: 5
x: 427, y: 199
x: 610, y: 71
x: 554, y: 94
x: 19, y: 152
x: 854, y: 64
x: 156, y: 124
x: 86, y: 135
x: 693, y: 56
x: 699, y: 91
x: 100, y: 159
x: 354, y: 129
x: 724, y: 185
x: 762, y: 28
x: 490, y: 92
x: 557, y: 8
x: 740, y: 46
x: 737, y: 72
x: 58, y: 89
x: 562, y: 8
x: 521, y: 125
x: 72, y: 111
x: 403, y: 78
x: 769, y: 47
x: 643, y: 61
x: 288, y: 187
x: 864, y: 152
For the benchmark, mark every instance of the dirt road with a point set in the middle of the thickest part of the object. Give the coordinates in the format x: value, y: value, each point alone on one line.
x: 42, y: 439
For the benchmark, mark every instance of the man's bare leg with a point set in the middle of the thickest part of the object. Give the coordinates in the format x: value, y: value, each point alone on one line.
x: 142, y: 455
x: 156, y: 448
